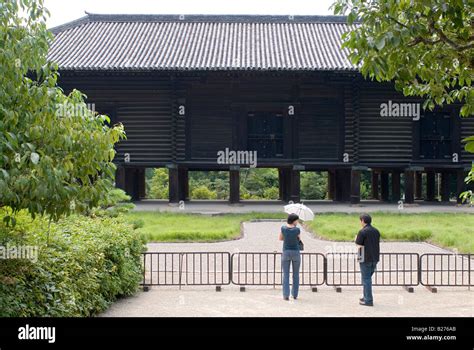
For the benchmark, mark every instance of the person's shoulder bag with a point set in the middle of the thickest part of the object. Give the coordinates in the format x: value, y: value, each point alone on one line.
x: 300, y: 244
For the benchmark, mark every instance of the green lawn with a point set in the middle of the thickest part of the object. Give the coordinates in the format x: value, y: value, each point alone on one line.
x: 177, y: 227
x: 443, y: 229
x: 446, y: 230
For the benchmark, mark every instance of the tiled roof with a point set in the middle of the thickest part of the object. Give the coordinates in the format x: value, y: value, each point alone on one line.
x: 201, y: 42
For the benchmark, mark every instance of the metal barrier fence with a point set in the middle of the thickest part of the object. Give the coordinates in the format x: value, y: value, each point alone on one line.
x: 334, y: 269
x: 190, y: 268
x: 447, y: 270
x: 393, y: 269
x: 264, y: 269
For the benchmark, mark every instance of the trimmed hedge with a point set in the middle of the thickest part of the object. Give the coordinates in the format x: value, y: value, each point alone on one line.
x: 86, y: 265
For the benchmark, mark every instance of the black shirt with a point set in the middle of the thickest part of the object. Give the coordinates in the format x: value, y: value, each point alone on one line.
x: 369, y: 237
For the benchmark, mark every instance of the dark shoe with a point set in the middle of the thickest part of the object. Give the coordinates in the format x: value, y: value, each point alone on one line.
x: 361, y: 299
x: 286, y: 298
x: 295, y: 298
x: 365, y: 304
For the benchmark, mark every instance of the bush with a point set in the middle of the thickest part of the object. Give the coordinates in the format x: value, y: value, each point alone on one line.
x: 202, y: 192
x: 88, y: 263
x: 271, y: 193
x: 114, y: 203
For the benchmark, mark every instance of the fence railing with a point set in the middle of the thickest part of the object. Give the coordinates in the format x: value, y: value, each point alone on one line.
x: 393, y: 269
x: 332, y: 269
x: 447, y: 270
x: 264, y: 269
x: 190, y: 268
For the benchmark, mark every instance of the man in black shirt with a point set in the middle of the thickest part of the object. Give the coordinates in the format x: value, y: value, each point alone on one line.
x: 368, y: 241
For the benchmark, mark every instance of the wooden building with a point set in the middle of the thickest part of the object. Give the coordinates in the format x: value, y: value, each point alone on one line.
x: 189, y: 87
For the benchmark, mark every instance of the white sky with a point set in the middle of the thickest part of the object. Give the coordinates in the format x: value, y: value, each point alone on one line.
x: 63, y: 11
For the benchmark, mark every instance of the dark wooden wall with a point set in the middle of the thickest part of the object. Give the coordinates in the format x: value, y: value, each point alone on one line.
x: 334, y: 114
x: 382, y: 140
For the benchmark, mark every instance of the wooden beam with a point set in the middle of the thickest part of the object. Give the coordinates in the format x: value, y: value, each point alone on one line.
x: 418, y: 185
x: 445, y: 192
x: 375, y: 185
x: 355, y: 186
x: 234, y: 182
x: 430, y: 185
x: 395, y: 186
x: 173, y: 184
x: 409, y: 177
x: 384, y: 191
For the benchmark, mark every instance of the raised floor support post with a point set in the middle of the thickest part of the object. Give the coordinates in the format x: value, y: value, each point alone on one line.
x: 234, y: 182
x: 430, y: 185
x: 460, y: 184
x: 283, y: 184
x: 120, y: 177
x: 294, y: 183
x: 384, y: 191
x: 409, y: 186
x: 355, y: 186
x: 141, y: 182
x: 418, y: 185
x: 445, y: 191
x: 183, y: 179
x: 395, y: 186
x: 173, y: 184
x: 331, y: 185
x: 375, y: 185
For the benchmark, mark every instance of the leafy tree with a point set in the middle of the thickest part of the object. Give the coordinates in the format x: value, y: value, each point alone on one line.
x: 313, y: 185
x: 55, y: 153
x: 425, y: 47
x: 159, y: 184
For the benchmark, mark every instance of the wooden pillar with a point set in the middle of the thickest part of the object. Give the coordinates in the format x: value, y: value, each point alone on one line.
x: 173, y: 178
x: 375, y: 185
x: 183, y: 179
x: 331, y: 185
x: 131, y: 183
x: 120, y: 177
x: 355, y: 186
x: 234, y: 182
x: 418, y: 185
x: 282, y: 186
x: 430, y: 185
x: 294, y: 183
x: 339, y: 187
x: 409, y: 186
x: 343, y: 185
x: 395, y: 186
x: 384, y: 191
x: 460, y: 184
x: 141, y: 183
x: 445, y: 186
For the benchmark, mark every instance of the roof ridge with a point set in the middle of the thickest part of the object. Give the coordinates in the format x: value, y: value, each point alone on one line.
x: 216, y: 18
x: 94, y: 17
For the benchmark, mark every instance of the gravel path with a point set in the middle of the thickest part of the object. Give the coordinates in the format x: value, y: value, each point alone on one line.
x: 266, y: 301
x: 216, y: 206
x: 263, y: 237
